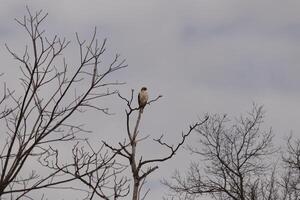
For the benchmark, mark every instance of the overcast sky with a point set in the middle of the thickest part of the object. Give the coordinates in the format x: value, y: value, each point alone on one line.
x: 203, y: 56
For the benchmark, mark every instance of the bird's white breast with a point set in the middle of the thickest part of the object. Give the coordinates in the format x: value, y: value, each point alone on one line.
x: 144, y: 96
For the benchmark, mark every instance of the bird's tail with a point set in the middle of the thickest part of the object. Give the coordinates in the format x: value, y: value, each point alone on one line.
x: 141, y: 109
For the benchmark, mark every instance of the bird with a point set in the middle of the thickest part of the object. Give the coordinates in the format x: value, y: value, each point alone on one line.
x: 143, y: 98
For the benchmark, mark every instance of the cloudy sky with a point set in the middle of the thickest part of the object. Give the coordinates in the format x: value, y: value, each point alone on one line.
x: 203, y: 56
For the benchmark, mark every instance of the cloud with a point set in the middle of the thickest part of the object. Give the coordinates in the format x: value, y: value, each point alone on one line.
x: 202, y: 55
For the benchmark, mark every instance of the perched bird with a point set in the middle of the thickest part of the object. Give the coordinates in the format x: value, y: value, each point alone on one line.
x: 143, y: 98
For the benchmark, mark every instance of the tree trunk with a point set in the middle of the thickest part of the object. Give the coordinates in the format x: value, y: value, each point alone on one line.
x: 135, y: 195
x: 134, y: 169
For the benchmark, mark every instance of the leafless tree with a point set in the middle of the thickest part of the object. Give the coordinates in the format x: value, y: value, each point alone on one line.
x: 141, y: 168
x: 284, y: 183
x: 234, y: 161
x: 39, y: 118
x: 290, y: 181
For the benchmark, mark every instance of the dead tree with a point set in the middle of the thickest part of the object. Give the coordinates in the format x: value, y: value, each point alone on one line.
x: 141, y: 168
x: 39, y: 118
x: 234, y: 160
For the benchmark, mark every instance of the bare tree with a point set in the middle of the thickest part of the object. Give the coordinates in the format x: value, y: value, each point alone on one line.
x: 234, y: 161
x: 284, y: 182
x: 39, y: 118
x: 290, y: 181
x: 141, y: 168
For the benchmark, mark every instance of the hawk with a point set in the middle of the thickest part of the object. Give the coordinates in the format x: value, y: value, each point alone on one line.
x: 142, y: 98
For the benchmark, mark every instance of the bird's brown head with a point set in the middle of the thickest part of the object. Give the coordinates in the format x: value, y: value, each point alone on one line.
x: 143, y: 89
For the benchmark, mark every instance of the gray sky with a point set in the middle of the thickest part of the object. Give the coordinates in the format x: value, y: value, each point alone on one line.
x: 203, y: 56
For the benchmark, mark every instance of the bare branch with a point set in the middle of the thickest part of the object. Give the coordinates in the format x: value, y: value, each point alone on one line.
x: 234, y: 159
x: 141, y: 168
x: 39, y: 118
